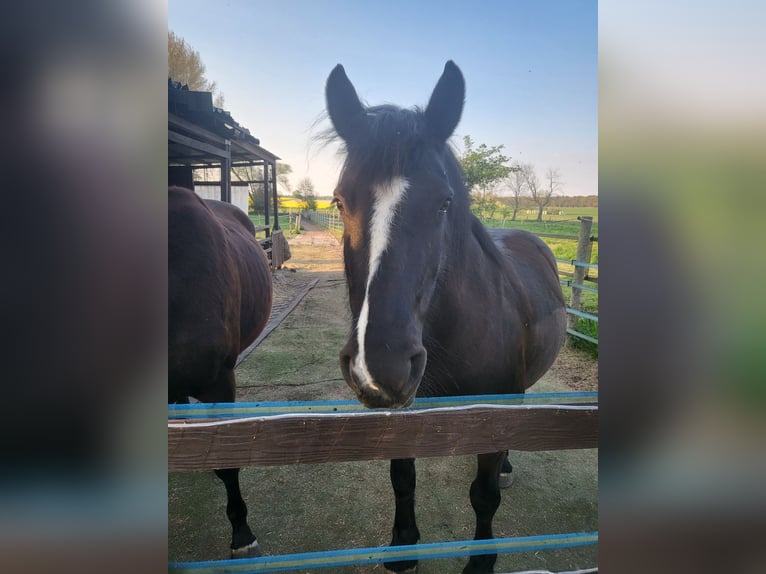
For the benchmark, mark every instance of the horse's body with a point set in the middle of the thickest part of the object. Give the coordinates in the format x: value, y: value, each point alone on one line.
x: 440, y: 305
x: 219, y: 300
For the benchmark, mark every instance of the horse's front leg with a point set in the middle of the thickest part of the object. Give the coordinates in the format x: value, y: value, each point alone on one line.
x: 243, y: 542
x: 485, y: 498
x: 405, y: 530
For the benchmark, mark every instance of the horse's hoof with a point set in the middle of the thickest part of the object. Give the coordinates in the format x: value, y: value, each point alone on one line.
x: 252, y: 550
x: 411, y: 570
x: 505, y: 479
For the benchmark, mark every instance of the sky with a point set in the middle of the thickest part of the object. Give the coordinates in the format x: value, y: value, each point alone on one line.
x: 531, y: 72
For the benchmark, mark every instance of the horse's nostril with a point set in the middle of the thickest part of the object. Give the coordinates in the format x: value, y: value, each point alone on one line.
x: 417, y: 365
x: 345, y: 366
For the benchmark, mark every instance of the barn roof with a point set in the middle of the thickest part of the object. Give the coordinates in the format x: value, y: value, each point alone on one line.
x: 201, y: 134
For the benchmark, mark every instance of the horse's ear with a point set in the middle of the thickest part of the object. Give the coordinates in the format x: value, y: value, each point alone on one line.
x: 446, y: 104
x: 343, y: 105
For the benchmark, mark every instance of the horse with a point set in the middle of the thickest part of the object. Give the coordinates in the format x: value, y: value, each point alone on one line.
x: 219, y: 295
x: 440, y: 305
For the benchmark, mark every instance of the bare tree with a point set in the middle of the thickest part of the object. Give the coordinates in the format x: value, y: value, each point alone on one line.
x: 517, y: 184
x: 283, y: 178
x: 553, y: 185
x: 185, y: 66
x: 541, y: 192
x: 254, y: 175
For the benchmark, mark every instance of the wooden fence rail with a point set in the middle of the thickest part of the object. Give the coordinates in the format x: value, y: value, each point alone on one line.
x: 323, y: 435
x: 378, y: 435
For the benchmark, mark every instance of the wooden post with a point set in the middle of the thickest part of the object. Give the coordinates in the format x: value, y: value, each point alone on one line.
x: 226, y: 174
x: 584, y: 248
x: 276, y: 199
x: 266, y: 197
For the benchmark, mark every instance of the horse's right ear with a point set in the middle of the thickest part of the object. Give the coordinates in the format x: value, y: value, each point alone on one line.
x: 446, y: 104
x: 343, y: 105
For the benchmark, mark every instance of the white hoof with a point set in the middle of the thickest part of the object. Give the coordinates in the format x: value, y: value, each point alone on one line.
x: 252, y: 550
x: 505, y: 479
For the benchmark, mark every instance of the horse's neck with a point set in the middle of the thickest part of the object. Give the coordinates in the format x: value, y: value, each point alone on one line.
x: 476, y: 270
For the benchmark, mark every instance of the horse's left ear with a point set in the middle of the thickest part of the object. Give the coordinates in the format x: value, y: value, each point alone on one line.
x: 446, y: 104
x: 343, y: 105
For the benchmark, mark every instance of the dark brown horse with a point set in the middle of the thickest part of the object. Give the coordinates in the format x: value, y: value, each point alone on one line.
x: 440, y: 305
x: 219, y: 300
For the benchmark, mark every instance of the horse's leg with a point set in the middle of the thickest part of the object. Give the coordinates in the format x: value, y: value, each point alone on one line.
x: 405, y: 530
x: 506, y: 473
x: 243, y: 542
x: 485, y: 498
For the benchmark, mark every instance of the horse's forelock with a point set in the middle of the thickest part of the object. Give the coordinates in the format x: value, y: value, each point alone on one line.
x: 392, y: 137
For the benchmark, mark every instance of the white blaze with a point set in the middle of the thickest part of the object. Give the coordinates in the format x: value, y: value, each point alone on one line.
x: 386, y: 198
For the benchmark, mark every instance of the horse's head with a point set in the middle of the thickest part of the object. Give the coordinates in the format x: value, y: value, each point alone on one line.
x: 400, y: 193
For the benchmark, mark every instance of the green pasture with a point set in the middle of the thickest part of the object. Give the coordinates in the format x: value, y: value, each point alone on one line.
x: 286, y: 223
x: 566, y: 224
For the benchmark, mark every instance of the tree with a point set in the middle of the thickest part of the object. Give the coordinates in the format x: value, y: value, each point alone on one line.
x: 306, y: 193
x: 185, y: 66
x: 483, y: 168
x: 254, y: 175
x: 517, y: 184
x: 283, y: 180
x: 541, y: 192
x: 505, y: 211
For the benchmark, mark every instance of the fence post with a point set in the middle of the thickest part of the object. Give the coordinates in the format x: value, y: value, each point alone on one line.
x: 584, y: 249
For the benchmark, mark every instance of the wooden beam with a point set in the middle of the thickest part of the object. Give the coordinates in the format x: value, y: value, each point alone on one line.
x: 240, y: 163
x: 266, y: 197
x: 193, y: 128
x: 226, y: 175
x: 275, y: 198
x: 256, y: 150
x: 378, y: 435
x: 197, y: 145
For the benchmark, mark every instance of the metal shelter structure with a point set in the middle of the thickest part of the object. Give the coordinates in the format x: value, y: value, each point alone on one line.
x: 202, y: 136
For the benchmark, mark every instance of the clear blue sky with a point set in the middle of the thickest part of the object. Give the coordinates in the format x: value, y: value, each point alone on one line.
x: 530, y: 70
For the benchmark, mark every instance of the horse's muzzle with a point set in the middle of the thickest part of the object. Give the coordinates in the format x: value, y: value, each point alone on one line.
x: 385, y: 379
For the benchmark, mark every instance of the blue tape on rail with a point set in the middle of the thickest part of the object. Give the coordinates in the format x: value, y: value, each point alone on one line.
x: 264, y: 409
x: 336, y: 558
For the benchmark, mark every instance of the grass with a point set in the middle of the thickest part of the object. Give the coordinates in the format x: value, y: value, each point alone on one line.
x: 554, y: 214
x: 286, y: 223
x: 558, y: 226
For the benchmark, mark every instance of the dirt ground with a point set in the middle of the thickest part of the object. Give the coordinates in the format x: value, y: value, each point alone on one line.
x: 309, y: 508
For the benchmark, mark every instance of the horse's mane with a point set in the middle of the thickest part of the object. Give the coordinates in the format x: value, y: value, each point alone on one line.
x: 392, y: 138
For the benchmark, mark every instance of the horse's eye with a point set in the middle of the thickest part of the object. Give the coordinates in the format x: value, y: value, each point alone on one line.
x: 445, y: 205
x: 336, y: 201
